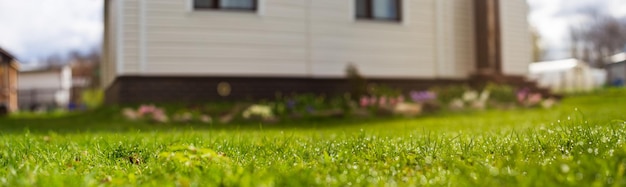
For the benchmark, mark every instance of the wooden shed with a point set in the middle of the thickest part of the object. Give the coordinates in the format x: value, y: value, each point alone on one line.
x: 8, y: 82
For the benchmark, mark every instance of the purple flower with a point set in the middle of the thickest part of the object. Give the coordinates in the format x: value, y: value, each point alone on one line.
x: 522, y: 94
x: 291, y: 104
x: 422, y: 96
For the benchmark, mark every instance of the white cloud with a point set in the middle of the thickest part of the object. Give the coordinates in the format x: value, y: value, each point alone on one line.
x: 39, y: 28
x: 617, y: 8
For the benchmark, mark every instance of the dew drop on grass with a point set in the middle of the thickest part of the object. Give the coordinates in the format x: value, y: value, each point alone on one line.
x: 457, y: 171
x: 423, y: 180
x: 564, y: 168
x: 494, y: 171
x: 579, y: 176
x: 428, y: 160
x: 474, y: 176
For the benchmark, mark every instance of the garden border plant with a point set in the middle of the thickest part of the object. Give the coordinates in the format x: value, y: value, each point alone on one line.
x: 378, y: 101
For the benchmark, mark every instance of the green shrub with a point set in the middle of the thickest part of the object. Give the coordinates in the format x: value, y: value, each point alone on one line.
x: 446, y: 94
x: 358, y: 84
x: 384, y: 90
x: 501, y: 93
x: 92, y: 98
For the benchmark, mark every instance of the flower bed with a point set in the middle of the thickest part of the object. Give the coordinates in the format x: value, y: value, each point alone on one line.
x: 378, y: 101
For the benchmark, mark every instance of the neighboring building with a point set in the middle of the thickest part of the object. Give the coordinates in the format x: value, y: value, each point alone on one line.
x: 84, y: 71
x: 616, y: 68
x: 44, y: 87
x: 181, y: 50
x: 567, y: 76
x: 8, y: 82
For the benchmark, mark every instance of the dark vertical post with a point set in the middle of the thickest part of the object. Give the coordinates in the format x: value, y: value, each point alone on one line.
x: 33, y: 99
x: 4, y: 81
x: 488, y: 39
x: 106, y: 57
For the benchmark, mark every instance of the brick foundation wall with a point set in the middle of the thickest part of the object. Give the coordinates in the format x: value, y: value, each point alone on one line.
x: 163, y: 89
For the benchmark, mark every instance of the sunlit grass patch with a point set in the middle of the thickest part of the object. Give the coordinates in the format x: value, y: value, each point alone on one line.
x: 579, y: 143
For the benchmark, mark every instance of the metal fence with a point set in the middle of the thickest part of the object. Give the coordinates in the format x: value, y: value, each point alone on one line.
x: 34, y: 99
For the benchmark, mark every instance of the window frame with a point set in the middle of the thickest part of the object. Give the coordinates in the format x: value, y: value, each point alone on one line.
x: 217, y: 6
x: 369, y: 12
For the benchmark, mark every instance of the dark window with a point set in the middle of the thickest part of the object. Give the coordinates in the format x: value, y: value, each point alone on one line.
x: 379, y: 9
x: 225, y: 4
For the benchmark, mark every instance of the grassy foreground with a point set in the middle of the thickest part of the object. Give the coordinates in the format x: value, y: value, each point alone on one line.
x: 579, y: 143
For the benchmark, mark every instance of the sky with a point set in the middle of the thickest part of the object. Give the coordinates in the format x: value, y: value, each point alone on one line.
x: 552, y: 19
x: 36, y: 29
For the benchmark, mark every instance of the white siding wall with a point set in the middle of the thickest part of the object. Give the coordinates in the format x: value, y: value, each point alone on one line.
x: 51, y: 86
x: 379, y: 49
x: 109, y: 68
x: 40, y: 80
x: 455, y: 36
x: 516, y: 39
x: 315, y: 38
x: 130, y: 46
x: 52, y: 79
x: 268, y: 42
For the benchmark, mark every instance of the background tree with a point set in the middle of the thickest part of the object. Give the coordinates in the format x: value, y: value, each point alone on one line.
x: 538, y: 48
x: 596, y: 37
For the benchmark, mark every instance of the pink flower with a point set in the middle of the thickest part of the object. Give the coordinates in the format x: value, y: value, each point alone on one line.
x: 364, y: 101
x: 146, y: 109
x: 373, y: 100
x: 382, y: 101
x: 393, y: 101
x: 159, y: 115
x: 534, y: 99
x: 148, y: 112
x: 521, y: 97
x: 400, y: 99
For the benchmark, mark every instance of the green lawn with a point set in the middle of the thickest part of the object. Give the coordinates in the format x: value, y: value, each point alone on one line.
x: 582, y: 142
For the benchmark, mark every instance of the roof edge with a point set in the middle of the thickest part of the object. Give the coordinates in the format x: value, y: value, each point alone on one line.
x: 5, y: 52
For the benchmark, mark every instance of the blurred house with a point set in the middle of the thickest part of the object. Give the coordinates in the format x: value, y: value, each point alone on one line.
x: 616, y: 68
x: 569, y: 75
x: 8, y: 82
x: 83, y: 73
x: 44, y: 87
x: 164, y: 50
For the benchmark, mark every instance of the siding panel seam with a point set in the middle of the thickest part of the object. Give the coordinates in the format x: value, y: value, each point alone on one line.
x: 120, y: 36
